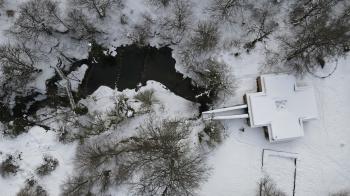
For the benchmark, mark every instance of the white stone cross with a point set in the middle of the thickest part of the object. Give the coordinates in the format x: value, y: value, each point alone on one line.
x: 281, y: 106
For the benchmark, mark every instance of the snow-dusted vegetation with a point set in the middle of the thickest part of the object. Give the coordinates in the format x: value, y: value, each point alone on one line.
x: 104, y: 97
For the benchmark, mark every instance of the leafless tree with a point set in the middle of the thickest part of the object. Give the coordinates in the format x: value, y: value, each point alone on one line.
x: 81, y: 28
x: 304, y: 10
x: 98, y: 6
x: 143, y: 31
x: 321, y: 38
x: 18, y: 64
x: 163, y: 3
x: 177, y: 22
x: 171, y: 169
x: 95, y: 124
x: 38, y: 18
x: 79, y: 185
x: 212, y: 76
x: 159, y: 154
x: 227, y: 10
x: 261, y: 25
x: 206, y: 37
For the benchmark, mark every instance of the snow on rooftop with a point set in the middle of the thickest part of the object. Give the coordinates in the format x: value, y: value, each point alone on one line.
x: 281, y: 106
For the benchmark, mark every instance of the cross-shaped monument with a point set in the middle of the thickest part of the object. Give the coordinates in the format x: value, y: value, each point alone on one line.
x: 281, y: 107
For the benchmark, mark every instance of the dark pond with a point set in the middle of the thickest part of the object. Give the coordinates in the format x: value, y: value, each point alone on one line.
x: 135, y: 65
x: 131, y: 67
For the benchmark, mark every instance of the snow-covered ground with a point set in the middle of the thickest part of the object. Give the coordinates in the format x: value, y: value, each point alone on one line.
x: 323, y: 154
x: 33, y: 146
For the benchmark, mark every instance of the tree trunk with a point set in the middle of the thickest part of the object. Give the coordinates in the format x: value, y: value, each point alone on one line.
x: 68, y: 85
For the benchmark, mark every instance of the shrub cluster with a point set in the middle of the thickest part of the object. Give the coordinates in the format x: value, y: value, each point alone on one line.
x: 341, y: 193
x: 9, y: 166
x: 32, y: 188
x: 48, y: 166
x: 212, y: 134
x: 268, y: 188
x: 147, y: 99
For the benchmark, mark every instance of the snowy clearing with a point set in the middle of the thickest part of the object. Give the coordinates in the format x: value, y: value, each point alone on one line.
x: 225, y: 62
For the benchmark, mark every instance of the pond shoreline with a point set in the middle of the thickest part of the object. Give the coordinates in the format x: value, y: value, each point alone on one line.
x: 134, y: 66
x: 131, y: 68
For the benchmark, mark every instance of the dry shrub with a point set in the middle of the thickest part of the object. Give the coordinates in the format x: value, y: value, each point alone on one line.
x: 341, y: 193
x: 9, y: 166
x: 268, y: 188
x: 206, y: 36
x: 146, y: 98
x: 212, y: 134
x: 32, y: 189
x: 48, y: 166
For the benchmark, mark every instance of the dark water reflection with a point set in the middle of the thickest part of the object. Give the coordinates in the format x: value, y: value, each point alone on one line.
x: 135, y: 65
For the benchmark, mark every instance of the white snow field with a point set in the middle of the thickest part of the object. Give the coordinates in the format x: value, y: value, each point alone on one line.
x: 315, y: 165
x: 323, y: 163
x: 33, y: 146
